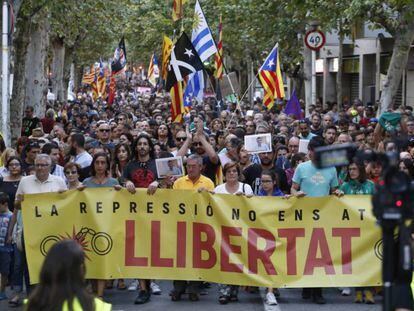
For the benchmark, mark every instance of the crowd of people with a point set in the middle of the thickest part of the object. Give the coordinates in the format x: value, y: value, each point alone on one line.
x: 87, y: 144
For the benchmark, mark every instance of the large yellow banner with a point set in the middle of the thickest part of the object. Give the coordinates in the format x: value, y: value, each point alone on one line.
x: 185, y: 235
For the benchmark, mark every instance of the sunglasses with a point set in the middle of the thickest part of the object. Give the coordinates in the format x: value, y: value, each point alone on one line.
x: 181, y: 138
x: 197, y: 144
x: 71, y: 172
x: 104, y: 130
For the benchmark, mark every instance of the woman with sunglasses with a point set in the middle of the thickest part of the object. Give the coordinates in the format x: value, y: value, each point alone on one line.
x: 72, y: 171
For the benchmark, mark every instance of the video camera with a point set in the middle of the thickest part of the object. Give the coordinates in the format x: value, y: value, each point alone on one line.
x: 393, y: 207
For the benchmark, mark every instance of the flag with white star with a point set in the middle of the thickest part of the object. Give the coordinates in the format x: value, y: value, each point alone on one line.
x: 270, y: 76
x: 184, y: 60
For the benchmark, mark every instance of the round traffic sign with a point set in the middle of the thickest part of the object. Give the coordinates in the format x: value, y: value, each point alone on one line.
x: 315, y: 39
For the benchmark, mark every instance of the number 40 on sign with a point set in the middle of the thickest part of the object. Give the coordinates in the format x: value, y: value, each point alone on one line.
x: 315, y: 39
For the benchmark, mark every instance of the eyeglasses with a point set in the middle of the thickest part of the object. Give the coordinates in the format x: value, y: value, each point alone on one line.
x: 105, y: 130
x: 181, y: 138
x: 71, y: 172
x: 266, y: 181
x: 42, y: 165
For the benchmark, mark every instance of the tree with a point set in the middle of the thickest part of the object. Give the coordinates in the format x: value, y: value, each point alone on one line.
x: 397, y: 18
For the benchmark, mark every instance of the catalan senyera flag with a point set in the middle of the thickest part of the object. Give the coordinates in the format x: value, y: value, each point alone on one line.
x: 177, y: 102
x: 166, y: 52
x: 271, y: 78
x: 218, y: 57
x: 177, y: 12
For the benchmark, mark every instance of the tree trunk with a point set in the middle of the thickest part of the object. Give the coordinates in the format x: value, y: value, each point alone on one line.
x: 69, y: 54
x: 58, y: 63
x: 36, y: 73
x: 307, y: 75
x: 21, y: 40
x: 404, y: 36
x: 340, y: 69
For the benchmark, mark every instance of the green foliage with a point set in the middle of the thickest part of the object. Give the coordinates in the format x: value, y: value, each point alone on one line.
x: 250, y: 27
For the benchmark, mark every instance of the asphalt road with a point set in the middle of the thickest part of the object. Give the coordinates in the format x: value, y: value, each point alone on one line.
x: 290, y: 300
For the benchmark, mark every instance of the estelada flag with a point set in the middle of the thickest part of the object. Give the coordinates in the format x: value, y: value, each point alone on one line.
x: 101, y: 83
x: 271, y: 78
x: 153, y: 71
x: 167, y: 46
x: 183, y: 61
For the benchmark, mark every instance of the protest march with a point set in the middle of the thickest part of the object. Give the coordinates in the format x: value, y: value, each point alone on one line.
x: 184, y: 175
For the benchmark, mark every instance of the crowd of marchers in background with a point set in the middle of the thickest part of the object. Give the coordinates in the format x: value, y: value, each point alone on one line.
x: 86, y: 144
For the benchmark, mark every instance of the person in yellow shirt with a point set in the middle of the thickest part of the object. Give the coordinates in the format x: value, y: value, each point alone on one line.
x: 192, y: 181
x: 62, y: 282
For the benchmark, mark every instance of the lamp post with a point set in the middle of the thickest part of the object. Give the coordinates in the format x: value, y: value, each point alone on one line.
x: 5, y: 75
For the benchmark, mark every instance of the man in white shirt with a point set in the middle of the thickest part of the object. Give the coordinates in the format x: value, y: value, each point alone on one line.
x: 78, y: 152
x: 42, y: 181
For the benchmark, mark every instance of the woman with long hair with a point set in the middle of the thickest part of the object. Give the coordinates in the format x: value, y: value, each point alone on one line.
x: 62, y: 282
x: 357, y: 182
x: 100, y: 178
x: 121, y: 157
x: 164, y: 137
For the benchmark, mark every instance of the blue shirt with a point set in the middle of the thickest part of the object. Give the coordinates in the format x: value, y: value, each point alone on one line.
x: 4, y: 229
x: 276, y: 193
x: 313, y: 181
x: 89, y: 183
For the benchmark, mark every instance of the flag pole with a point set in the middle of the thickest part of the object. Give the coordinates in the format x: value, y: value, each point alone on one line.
x: 221, y: 58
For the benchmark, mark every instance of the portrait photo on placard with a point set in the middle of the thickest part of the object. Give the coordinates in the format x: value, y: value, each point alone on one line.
x: 258, y: 143
x: 170, y: 167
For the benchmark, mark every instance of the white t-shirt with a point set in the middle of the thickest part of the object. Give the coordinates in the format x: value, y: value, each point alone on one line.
x: 243, y: 188
x: 84, y: 159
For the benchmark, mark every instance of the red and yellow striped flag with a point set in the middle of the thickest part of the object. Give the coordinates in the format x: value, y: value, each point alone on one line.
x: 177, y: 12
x: 167, y: 46
x: 89, y: 77
x: 271, y: 78
x: 218, y: 57
x: 177, y: 102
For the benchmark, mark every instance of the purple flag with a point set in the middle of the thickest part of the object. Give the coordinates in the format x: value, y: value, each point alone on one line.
x: 293, y: 106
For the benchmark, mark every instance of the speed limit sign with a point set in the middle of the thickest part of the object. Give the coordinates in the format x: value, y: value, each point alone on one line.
x: 315, y: 39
